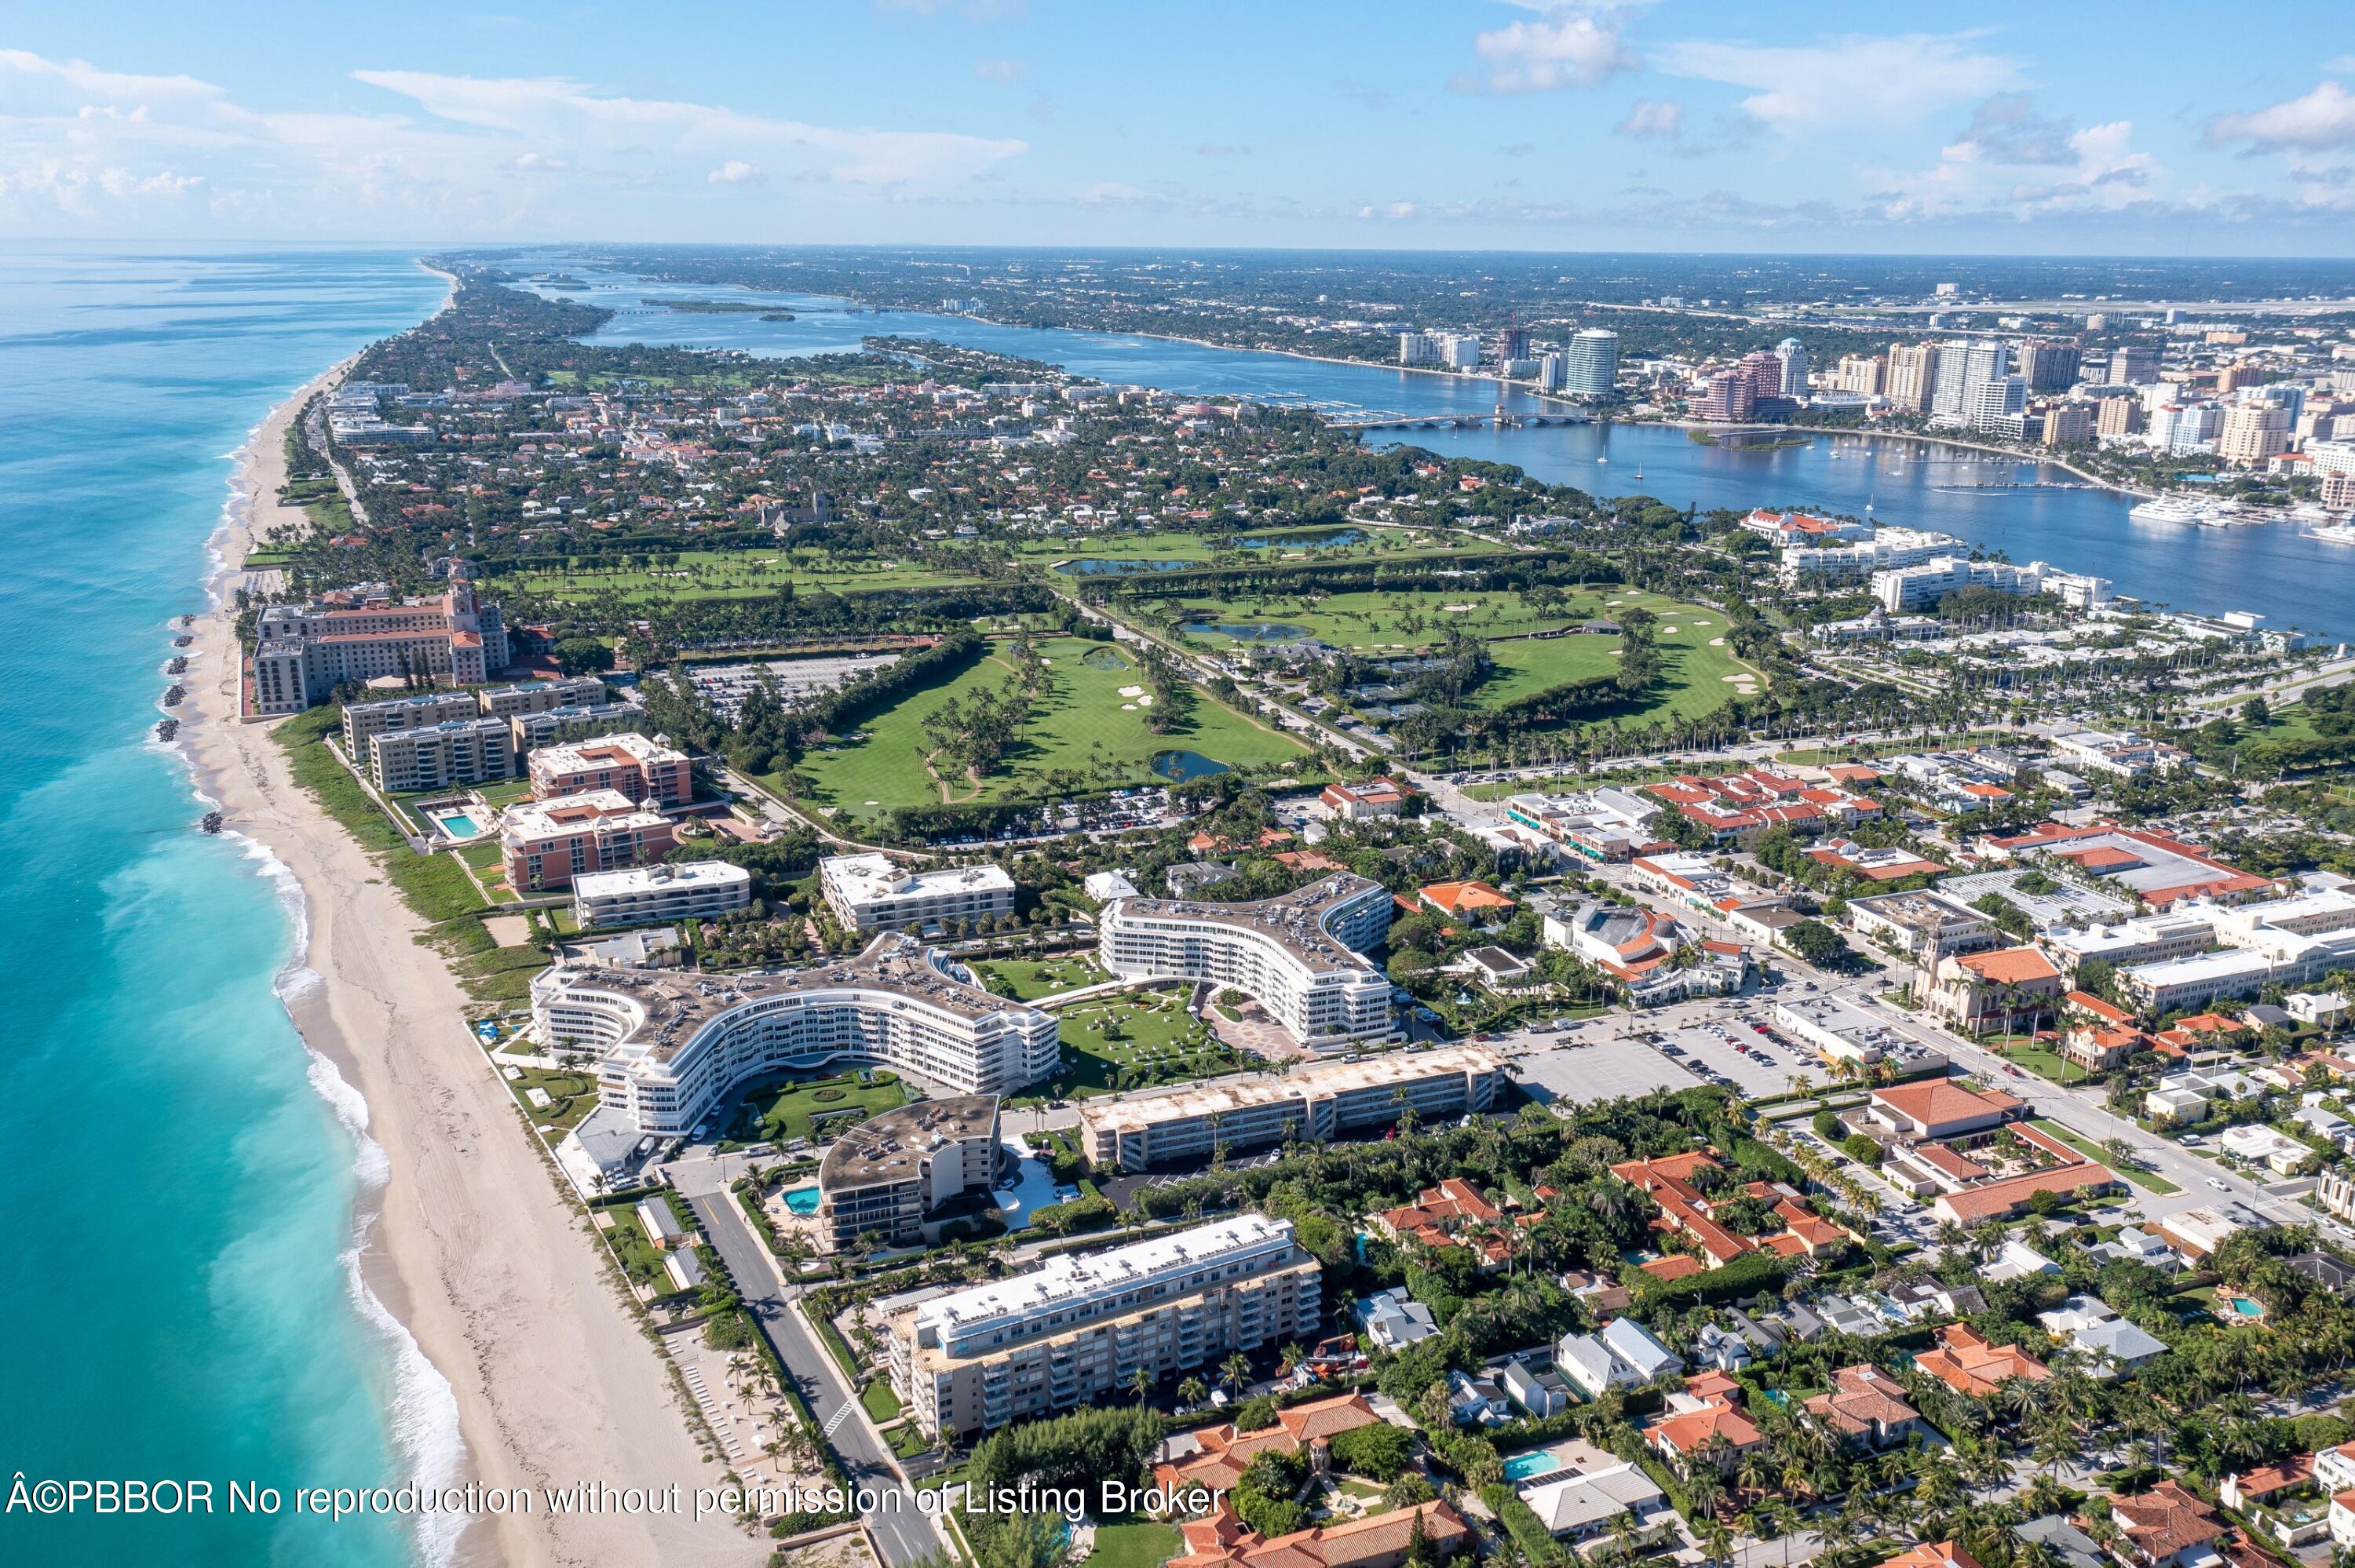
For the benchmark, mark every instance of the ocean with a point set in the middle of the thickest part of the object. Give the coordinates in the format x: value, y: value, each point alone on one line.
x: 183, y: 1298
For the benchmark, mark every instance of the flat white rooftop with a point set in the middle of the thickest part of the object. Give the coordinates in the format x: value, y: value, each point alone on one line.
x: 1312, y: 1082
x: 864, y: 878
x: 649, y: 878
x: 1067, y: 1279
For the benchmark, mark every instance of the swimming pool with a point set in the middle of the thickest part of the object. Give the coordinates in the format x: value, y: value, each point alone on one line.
x: 1526, y: 1466
x: 802, y: 1199
x: 458, y: 825
x: 2246, y: 1307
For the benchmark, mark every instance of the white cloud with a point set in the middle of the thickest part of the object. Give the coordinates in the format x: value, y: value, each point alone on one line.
x: 1001, y: 70
x: 1847, y: 82
x: 456, y: 154
x: 2318, y: 122
x: 1575, y: 45
x: 2092, y: 170
x: 1657, y: 120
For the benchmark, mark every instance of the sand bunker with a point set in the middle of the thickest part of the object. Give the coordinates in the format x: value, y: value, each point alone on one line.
x: 1128, y: 707
x: 1716, y: 643
x: 1131, y: 691
x: 1145, y: 700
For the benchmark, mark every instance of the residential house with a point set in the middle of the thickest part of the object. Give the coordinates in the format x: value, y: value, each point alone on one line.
x: 1215, y: 1457
x: 1706, y: 1417
x: 1932, y: 1555
x: 1221, y: 1539
x: 1541, y: 1394
x: 1475, y: 1401
x: 2093, y: 1329
x: 1868, y: 1407
x: 1584, y: 1504
x: 1969, y: 1364
x: 2165, y: 1527
x: 1394, y: 1320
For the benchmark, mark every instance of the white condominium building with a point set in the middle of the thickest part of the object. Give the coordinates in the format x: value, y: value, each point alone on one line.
x: 1918, y: 586
x: 1079, y: 1328
x: 1313, y: 1103
x: 885, y: 1178
x: 1824, y: 566
x: 363, y: 722
x: 353, y: 636
x: 437, y: 756
x: 677, y: 1046
x: 542, y: 697
x: 698, y: 890
x: 1298, y: 956
x: 870, y: 891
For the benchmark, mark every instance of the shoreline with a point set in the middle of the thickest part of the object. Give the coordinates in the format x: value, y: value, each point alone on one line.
x: 460, y: 1238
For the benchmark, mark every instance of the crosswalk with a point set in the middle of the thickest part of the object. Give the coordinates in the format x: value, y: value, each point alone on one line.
x: 839, y: 1417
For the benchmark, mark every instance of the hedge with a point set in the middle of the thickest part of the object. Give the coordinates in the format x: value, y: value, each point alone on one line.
x: 1746, y: 1276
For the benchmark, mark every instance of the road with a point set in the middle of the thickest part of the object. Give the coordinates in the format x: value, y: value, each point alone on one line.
x: 902, y: 1534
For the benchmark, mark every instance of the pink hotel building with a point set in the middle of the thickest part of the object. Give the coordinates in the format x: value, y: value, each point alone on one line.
x: 303, y: 652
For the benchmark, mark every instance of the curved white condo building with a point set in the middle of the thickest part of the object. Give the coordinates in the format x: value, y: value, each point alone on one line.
x: 1298, y: 955
x: 676, y: 1046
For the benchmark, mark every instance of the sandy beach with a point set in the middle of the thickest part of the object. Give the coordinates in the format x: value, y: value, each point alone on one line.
x: 473, y: 1250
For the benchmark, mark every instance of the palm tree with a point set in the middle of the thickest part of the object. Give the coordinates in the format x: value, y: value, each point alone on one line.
x: 1192, y: 1391
x: 1141, y: 1381
x: 1236, y: 1370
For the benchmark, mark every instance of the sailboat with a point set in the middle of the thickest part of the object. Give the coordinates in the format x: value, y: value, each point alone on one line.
x: 1602, y: 460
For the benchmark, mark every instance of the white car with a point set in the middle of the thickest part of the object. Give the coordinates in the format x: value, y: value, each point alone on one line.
x: 2218, y: 1183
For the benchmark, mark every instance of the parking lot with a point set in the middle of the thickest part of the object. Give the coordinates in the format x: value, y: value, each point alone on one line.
x: 1767, y: 1068
x: 1598, y: 1062
x: 1599, y: 1068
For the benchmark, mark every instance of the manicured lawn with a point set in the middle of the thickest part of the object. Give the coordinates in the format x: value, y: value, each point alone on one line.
x: 436, y: 885
x: 1157, y: 1043
x: 1026, y: 980
x: 1081, y: 723
x: 2149, y: 1181
x: 1140, y: 1545
x: 906, y: 1443
x: 722, y: 574
x: 570, y: 1097
x: 880, y: 1402
x: 640, y: 1259
x: 2042, y: 1063
x: 791, y: 1110
x: 1695, y: 663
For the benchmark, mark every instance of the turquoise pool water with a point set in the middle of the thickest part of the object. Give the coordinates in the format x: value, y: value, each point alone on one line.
x: 802, y: 1199
x: 1523, y: 1466
x: 458, y: 825
x: 2246, y: 1307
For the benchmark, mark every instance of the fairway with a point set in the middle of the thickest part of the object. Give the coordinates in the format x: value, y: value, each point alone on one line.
x: 1082, y: 733
x: 687, y: 575
x: 1697, y: 672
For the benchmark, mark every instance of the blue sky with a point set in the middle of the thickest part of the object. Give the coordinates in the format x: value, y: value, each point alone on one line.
x: 2134, y: 129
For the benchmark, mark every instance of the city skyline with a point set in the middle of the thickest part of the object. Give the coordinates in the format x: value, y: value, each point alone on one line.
x: 1485, y: 125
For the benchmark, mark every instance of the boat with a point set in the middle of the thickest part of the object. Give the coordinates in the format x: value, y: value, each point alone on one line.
x: 1603, y: 460
x: 2337, y: 534
x: 2165, y: 509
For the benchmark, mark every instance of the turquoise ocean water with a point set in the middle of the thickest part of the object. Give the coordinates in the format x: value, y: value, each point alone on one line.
x: 181, y: 1299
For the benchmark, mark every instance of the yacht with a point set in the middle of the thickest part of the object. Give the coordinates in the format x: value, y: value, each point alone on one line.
x: 2167, y: 509
x: 2336, y: 534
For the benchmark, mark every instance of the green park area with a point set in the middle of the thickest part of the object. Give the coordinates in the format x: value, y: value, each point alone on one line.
x: 1085, y: 730
x: 1291, y: 546
x: 1141, y: 1545
x: 809, y: 1107
x: 1698, y: 670
x: 570, y: 1097
x: 1131, y: 1041
x: 678, y: 576
x: 1027, y: 980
